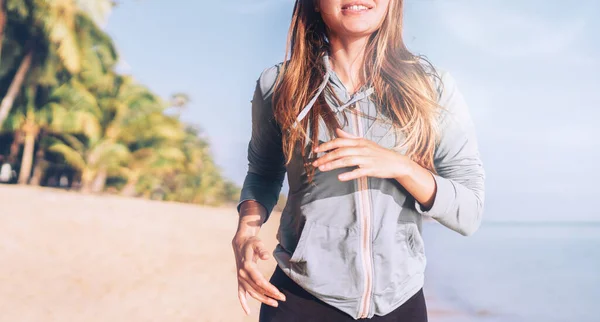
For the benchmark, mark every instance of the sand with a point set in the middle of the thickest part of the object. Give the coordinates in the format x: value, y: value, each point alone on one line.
x: 66, y: 256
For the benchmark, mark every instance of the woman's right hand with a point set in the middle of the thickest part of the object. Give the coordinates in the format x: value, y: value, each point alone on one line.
x: 247, y: 250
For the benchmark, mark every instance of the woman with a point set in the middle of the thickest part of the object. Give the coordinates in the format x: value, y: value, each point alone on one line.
x: 373, y: 139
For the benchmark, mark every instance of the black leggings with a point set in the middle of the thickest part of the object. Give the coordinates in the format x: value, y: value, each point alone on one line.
x: 301, y: 306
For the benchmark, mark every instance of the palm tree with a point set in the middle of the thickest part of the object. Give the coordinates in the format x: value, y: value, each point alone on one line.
x: 155, y: 161
x: 200, y: 181
x: 98, y: 10
x: 126, y: 115
x: 68, y: 111
x: 31, y: 130
x: 45, y: 23
x: 94, y: 162
x: 178, y: 102
x: 15, y: 87
x: 65, y: 101
x: 100, y: 58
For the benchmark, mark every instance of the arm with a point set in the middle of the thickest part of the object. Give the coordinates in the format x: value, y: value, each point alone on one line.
x: 455, y: 195
x: 266, y: 170
x: 266, y: 163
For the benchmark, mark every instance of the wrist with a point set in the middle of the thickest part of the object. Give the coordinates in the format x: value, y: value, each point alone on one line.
x: 249, y: 226
x: 404, y: 168
x: 243, y: 233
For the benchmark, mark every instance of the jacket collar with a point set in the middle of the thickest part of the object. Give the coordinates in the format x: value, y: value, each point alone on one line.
x: 331, y: 76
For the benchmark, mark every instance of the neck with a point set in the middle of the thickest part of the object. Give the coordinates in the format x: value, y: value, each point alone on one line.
x: 347, y: 59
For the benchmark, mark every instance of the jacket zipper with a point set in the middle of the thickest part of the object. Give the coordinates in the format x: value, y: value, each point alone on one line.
x: 365, y: 210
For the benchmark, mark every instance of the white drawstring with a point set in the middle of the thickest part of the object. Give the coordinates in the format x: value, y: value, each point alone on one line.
x: 356, y: 98
x: 311, y: 103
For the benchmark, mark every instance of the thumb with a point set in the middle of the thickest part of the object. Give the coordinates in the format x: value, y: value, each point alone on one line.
x: 343, y: 134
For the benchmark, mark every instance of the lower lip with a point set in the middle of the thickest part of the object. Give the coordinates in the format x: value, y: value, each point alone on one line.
x: 354, y: 12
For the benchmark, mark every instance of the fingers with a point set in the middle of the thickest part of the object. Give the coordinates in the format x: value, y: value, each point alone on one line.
x: 249, y: 271
x: 243, y: 300
x: 250, y: 280
x: 261, y: 284
x: 338, y: 143
x: 344, y: 163
x: 344, y: 134
x: 252, y: 290
x: 354, y: 174
x: 339, y: 153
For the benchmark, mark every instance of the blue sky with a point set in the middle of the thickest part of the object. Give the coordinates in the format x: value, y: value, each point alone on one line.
x: 529, y: 70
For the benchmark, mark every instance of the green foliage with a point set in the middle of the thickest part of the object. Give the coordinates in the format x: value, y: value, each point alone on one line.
x: 110, y: 131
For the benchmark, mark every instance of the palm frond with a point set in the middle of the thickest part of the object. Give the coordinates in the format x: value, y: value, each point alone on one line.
x: 70, y: 155
x: 111, y: 154
x: 74, y: 142
x: 17, y: 8
x: 99, y: 10
x: 58, y: 21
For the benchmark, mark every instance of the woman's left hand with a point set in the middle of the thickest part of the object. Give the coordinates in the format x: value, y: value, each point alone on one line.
x: 371, y: 159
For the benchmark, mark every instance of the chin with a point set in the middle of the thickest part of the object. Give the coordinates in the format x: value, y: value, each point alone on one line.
x: 356, y: 26
x: 358, y: 29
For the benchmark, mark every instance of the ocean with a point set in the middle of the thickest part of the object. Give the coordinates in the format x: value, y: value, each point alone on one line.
x: 513, y: 272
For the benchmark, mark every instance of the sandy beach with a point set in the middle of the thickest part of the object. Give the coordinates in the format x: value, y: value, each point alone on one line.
x: 72, y: 257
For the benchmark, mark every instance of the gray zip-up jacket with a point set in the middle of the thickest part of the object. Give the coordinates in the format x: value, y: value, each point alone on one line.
x: 357, y: 245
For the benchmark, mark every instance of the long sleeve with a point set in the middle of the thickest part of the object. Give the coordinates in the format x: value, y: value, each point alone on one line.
x: 266, y: 162
x: 459, y: 198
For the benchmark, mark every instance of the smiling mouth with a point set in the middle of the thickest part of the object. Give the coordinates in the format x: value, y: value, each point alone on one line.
x: 356, y: 7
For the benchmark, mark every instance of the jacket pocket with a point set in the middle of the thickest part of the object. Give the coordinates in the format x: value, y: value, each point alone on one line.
x: 325, y: 261
x: 298, y: 253
x: 414, y: 241
x: 398, y: 257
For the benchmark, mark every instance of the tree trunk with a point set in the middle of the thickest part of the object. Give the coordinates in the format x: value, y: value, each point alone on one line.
x: 15, y: 147
x: 38, y: 170
x: 130, y: 188
x: 15, y: 87
x: 100, y: 181
x: 31, y: 132
x: 87, y: 178
x: 27, y: 160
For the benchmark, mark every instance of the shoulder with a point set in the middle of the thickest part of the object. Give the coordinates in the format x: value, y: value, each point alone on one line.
x: 262, y: 105
x: 453, y: 109
x: 445, y: 86
x: 268, y: 78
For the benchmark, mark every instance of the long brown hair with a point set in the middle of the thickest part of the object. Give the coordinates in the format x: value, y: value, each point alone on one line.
x: 404, y: 90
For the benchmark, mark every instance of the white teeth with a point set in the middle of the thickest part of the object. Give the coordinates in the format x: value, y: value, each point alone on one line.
x: 357, y: 8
